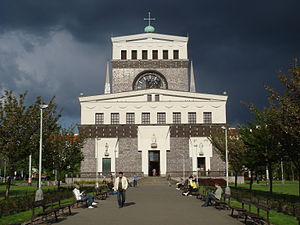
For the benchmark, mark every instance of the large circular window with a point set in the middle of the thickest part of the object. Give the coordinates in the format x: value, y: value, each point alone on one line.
x: 150, y: 79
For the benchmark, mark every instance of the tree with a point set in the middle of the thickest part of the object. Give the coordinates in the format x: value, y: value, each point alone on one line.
x: 63, y: 152
x: 19, y: 129
x: 286, y: 105
x: 236, y: 149
x: 264, y: 147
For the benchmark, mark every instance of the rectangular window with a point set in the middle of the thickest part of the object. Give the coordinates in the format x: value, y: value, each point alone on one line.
x: 99, y: 118
x: 154, y: 54
x: 134, y: 54
x: 144, y: 54
x: 130, y: 118
x: 207, y: 117
x: 149, y: 98
x: 123, y: 54
x: 157, y: 98
x: 176, y: 117
x: 165, y: 54
x: 161, y: 118
x: 192, y: 117
x: 114, y: 118
x: 176, y: 54
x: 145, y: 118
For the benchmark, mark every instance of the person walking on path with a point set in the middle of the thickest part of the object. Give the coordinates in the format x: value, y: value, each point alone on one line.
x: 120, y: 186
x: 135, y: 180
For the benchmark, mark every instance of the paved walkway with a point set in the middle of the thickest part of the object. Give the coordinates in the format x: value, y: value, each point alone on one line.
x: 151, y: 205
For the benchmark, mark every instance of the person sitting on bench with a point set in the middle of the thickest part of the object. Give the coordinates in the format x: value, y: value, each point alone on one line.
x: 192, y: 186
x: 83, y: 196
x: 180, y: 184
x: 213, y: 196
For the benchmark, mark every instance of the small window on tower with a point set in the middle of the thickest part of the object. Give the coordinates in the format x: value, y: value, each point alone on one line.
x: 161, y: 118
x: 207, y: 117
x: 114, y: 118
x: 145, y: 118
x: 144, y: 54
x: 99, y: 118
x: 123, y: 54
x: 157, y: 98
x: 165, y: 54
x: 154, y: 54
x: 134, y: 54
x: 176, y: 54
x: 192, y: 117
x: 149, y: 98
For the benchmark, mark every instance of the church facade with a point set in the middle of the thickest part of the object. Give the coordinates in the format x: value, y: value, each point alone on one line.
x: 150, y: 117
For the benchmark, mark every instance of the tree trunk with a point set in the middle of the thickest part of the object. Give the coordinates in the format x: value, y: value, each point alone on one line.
x: 251, y: 181
x: 235, y: 179
x: 8, y: 184
x: 270, y: 177
x: 299, y: 179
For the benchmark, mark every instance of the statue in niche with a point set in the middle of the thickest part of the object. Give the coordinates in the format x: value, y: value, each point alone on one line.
x: 153, y: 141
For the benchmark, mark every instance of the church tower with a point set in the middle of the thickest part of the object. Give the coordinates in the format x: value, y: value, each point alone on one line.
x: 150, y: 120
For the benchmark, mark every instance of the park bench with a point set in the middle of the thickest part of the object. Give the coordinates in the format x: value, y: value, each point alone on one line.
x: 62, y: 207
x: 239, y: 210
x: 101, y: 195
x: 222, y: 204
x: 46, y: 212
x: 247, y: 214
x: 255, y: 217
x: 80, y: 202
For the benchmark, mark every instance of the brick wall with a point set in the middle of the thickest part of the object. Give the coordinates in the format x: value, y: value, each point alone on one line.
x: 88, y: 150
x: 129, y: 160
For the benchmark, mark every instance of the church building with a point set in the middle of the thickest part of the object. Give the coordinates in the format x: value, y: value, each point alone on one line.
x: 150, y: 119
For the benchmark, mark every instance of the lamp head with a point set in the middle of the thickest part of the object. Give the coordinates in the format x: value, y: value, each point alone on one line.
x: 43, y: 106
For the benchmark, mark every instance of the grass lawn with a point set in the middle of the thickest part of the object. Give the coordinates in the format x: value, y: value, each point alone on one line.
x: 275, y: 217
x: 25, y: 216
x: 290, y: 187
x: 21, y: 190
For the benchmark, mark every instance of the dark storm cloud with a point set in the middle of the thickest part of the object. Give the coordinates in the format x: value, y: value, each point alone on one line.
x: 236, y: 46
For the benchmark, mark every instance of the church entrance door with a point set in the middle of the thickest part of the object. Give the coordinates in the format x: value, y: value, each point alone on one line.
x: 154, y: 163
x: 106, y: 166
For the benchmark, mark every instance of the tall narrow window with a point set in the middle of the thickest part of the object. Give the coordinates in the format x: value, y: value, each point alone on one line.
x: 134, y: 54
x: 176, y: 54
x: 207, y: 117
x: 154, y: 54
x: 165, y: 54
x: 99, y: 118
x: 192, y: 117
x: 123, y: 54
x: 130, y: 118
x: 145, y: 118
x: 114, y: 118
x: 177, y: 117
x: 149, y: 98
x: 144, y: 54
x: 157, y: 98
x: 161, y: 118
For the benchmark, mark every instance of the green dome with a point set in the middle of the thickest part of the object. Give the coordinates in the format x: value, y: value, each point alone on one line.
x: 149, y: 29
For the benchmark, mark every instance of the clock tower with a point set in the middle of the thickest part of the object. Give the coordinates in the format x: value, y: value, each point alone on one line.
x: 150, y: 60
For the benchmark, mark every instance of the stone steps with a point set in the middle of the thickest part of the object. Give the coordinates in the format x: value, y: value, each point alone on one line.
x: 153, y: 180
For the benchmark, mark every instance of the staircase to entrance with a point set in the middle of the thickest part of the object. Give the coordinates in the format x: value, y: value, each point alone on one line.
x: 153, y: 180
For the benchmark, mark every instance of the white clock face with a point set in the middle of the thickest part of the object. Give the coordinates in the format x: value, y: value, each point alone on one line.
x: 150, y: 80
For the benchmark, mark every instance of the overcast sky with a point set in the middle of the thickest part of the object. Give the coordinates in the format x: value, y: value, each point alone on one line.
x: 60, y: 47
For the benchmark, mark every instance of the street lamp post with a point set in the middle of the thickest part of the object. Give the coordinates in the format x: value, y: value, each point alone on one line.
x: 227, y: 190
x: 39, y: 192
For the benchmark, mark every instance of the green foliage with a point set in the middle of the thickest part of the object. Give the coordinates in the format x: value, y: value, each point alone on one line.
x: 236, y: 148
x: 63, y: 152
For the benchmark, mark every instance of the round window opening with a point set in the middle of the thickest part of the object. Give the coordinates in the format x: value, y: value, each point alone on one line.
x: 149, y: 80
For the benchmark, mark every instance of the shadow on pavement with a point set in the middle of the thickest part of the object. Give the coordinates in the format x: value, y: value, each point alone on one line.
x: 129, y: 203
